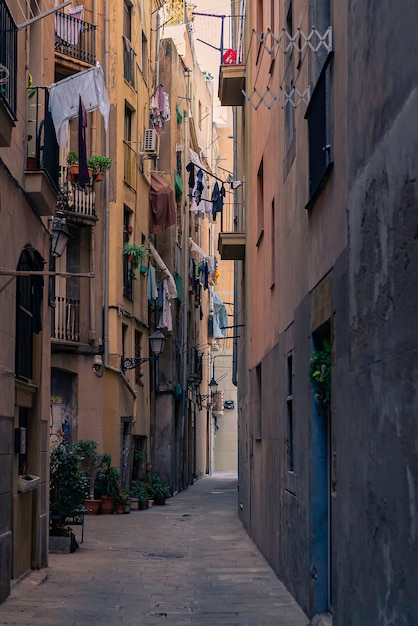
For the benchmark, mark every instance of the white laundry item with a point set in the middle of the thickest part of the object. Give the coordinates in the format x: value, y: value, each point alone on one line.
x: 64, y: 95
x: 171, y: 284
x: 165, y: 319
x: 67, y: 30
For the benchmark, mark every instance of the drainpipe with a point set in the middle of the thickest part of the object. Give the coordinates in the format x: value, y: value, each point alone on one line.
x: 185, y: 294
x: 106, y: 200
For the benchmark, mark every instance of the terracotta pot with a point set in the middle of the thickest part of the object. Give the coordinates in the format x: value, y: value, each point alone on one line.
x: 106, y: 506
x: 31, y: 163
x: 93, y: 506
x: 99, y: 176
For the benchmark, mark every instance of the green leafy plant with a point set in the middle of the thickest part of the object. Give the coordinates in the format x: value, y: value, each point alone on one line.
x: 99, y: 163
x: 67, y: 488
x: 320, y: 372
x: 158, y: 489
x: 107, y: 481
x: 122, y: 499
x: 137, y: 255
x: 72, y: 158
x: 89, y: 462
x: 140, y: 491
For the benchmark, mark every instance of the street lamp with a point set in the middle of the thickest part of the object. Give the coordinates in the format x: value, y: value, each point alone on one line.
x: 59, y: 234
x: 213, y: 386
x: 157, y: 342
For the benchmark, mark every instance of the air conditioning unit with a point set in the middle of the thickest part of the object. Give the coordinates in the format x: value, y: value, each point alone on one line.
x: 150, y: 140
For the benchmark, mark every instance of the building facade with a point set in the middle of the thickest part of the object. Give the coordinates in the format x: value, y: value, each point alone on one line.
x: 325, y: 145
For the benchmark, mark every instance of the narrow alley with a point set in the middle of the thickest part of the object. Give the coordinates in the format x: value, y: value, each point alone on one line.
x: 189, y: 562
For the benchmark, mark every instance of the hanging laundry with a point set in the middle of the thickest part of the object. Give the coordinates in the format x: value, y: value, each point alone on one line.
x: 83, y: 172
x: 68, y: 30
x: 165, y: 318
x: 190, y: 168
x: 152, y: 291
x: 217, y: 199
x: 162, y: 204
x: 160, y: 108
x: 220, y: 315
x: 64, y: 103
x: 199, y: 187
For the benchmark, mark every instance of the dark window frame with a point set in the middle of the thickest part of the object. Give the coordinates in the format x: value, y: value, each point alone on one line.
x: 318, y: 115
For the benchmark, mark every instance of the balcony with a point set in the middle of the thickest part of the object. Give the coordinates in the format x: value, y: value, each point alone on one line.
x: 75, y: 38
x: 77, y: 203
x: 231, y: 84
x: 65, y: 323
x: 231, y: 239
x: 8, y: 74
x: 41, y: 170
x: 232, y: 70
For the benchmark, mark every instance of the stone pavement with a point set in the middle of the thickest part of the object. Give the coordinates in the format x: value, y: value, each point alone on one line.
x: 189, y: 562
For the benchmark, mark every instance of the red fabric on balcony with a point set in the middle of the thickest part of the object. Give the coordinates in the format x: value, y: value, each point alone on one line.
x: 163, y: 208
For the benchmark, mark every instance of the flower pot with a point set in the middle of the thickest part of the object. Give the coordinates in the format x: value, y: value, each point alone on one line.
x: 120, y: 509
x: 31, y: 162
x: 159, y: 501
x: 134, y: 503
x: 144, y: 505
x: 99, y: 176
x: 106, y: 506
x: 92, y: 506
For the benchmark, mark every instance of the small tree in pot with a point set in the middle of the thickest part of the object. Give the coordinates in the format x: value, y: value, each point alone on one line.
x: 89, y: 462
x: 67, y: 488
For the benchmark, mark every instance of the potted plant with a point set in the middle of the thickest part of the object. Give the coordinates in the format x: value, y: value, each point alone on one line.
x: 122, y: 504
x: 320, y: 373
x: 67, y: 488
x: 89, y: 462
x: 139, y: 496
x: 99, y: 165
x: 31, y: 161
x: 107, y: 484
x: 72, y: 164
x: 159, y: 490
x: 137, y: 256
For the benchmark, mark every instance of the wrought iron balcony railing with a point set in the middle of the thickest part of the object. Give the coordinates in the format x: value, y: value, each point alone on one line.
x: 65, y: 324
x: 8, y: 59
x: 41, y: 139
x: 76, y: 200
x: 75, y: 38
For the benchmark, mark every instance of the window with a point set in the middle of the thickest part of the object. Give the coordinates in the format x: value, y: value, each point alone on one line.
x: 289, y: 416
x: 258, y: 405
x: 289, y: 110
x: 138, y: 341
x: 127, y: 278
x: 260, y: 202
x: 129, y: 172
x: 127, y: 19
x: 144, y: 57
x: 273, y: 245
x: 318, y: 112
x: 124, y: 341
x: 8, y: 58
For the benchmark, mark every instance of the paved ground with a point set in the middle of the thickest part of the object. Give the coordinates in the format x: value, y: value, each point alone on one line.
x: 189, y: 562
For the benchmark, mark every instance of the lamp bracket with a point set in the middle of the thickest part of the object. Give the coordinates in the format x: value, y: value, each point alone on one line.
x: 130, y: 363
